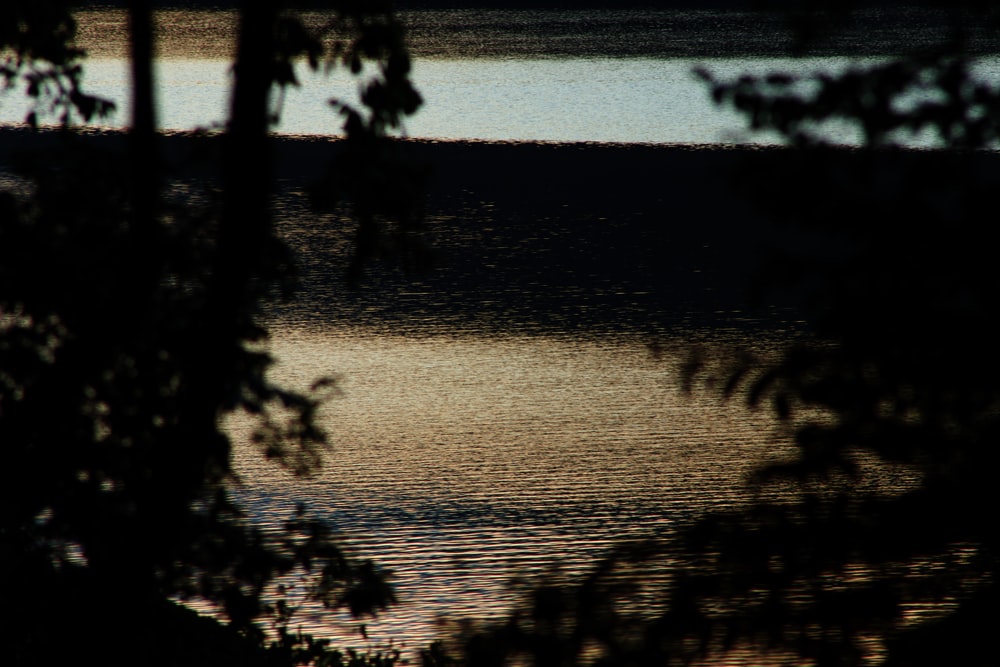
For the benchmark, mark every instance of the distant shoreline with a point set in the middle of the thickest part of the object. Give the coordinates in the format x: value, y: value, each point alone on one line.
x: 294, y: 153
x: 298, y: 156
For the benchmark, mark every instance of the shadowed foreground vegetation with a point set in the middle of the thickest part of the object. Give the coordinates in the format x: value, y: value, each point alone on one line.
x: 877, y: 543
x: 131, y: 323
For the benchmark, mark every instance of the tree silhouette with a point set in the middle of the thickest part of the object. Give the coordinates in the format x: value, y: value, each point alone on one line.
x: 875, y: 543
x: 130, y: 326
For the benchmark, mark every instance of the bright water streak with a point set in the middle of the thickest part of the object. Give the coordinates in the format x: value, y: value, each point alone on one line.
x: 615, y: 100
x: 570, y: 99
x: 462, y: 463
x: 604, y: 100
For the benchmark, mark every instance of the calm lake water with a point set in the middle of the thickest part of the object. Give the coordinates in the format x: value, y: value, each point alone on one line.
x: 614, y: 100
x: 572, y: 99
x: 462, y: 463
x: 609, y: 76
x: 465, y: 455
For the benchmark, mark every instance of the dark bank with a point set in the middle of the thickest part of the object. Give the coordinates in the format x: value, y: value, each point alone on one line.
x: 549, y: 237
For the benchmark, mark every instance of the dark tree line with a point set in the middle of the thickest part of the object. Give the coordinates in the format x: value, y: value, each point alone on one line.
x: 130, y: 327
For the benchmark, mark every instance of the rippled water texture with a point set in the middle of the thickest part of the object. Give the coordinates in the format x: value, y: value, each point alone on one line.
x: 518, y: 409
x: 462, y: 463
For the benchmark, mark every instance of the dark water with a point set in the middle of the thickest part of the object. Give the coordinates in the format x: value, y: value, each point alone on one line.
x: 553, y: 239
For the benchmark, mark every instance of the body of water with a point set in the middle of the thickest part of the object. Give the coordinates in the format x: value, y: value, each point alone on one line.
x: 571, y: 99
x: 518, y: 418
x: 566, y: 99
x: 520, y: 408
x: 606, y: 76
x: 465, y: 463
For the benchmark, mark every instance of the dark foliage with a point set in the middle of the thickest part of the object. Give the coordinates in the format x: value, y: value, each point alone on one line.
x: 129, y: 329
x: 36, y: 42
x: 876, y: 543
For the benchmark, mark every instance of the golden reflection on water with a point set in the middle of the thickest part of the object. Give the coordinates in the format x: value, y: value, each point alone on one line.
x: 461, y: 463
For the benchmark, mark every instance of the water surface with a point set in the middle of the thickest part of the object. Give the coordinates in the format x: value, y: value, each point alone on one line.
x: 462, y: 463
x: 475, y: 441
x: 607, y: 76
x: 492, y: 427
